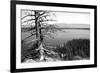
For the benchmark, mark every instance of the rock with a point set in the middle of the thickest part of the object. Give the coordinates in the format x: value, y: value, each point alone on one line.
x: 29, y: 61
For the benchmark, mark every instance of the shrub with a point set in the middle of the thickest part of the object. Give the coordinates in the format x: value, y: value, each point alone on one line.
x: 72, y: 48
x: 29, y: 53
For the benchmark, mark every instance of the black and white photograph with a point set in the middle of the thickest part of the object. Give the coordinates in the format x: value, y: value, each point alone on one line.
x: 54, y: 36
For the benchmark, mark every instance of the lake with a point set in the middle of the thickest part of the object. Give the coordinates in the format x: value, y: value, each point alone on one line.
x: 61, y: 37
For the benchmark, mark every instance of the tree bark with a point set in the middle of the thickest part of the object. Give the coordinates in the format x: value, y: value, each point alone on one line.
x: 42, y: 57
x: 37, y: 28
x: 39, y: 36
x: 41, y: 52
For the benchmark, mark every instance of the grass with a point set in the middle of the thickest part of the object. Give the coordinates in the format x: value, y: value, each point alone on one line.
x: 74, y: 49
x: 71, y: 50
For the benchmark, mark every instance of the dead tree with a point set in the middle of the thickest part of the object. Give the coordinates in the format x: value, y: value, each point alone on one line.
x: 42, y: 28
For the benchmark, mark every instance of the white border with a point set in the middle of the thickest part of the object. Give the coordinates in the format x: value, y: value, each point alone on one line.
x: 20, y: 65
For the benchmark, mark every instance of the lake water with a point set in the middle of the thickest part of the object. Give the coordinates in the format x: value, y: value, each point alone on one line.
x: 63, y: 36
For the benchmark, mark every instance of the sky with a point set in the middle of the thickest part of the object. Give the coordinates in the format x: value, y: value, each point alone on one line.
x: 63, y: 18
x: 72, y: 18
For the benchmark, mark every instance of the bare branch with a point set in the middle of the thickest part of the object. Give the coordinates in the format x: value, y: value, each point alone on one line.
x: 29, y: 36
x: 48, y: 36
x: 27, y: 29
x: 33, y: 40
x: 43, y: 12
x: 27, y: 16
x: 46, y: 20
x: 28, y: 20
x: 44, y: 16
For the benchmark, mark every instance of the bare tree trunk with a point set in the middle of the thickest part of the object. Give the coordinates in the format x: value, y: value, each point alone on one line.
x: 39, y: 36
x: 41, y: 52
x: 42, y: 57
x: 37, y: 28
